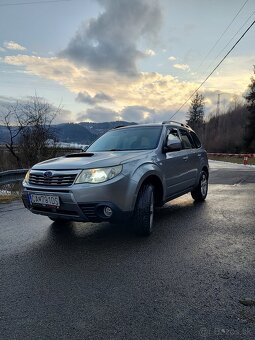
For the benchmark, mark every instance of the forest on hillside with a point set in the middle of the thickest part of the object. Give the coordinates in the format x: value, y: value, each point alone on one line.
x: 230, y: 132
x: 225, y: 133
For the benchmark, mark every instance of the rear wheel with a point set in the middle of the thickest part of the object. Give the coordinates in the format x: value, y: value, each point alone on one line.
x: 200, y: 192
x: 144, y: 211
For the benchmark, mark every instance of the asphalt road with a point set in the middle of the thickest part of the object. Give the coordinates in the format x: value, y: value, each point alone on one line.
x: 98, y: 281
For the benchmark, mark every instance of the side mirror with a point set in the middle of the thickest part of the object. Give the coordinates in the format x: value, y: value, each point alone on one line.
x: 173, y: 144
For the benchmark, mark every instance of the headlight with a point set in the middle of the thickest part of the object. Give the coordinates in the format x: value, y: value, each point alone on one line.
x: 26, y: 179
x: 98, y: 175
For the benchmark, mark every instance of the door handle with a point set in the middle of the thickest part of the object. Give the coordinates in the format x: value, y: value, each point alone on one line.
x: 199, y: 154
x: 185, y: 158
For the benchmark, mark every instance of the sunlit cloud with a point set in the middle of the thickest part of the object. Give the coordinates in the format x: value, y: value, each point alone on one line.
x: 172, y: 58
x: 149, y: 96
x: 151, y: 90
x: 12, y: 45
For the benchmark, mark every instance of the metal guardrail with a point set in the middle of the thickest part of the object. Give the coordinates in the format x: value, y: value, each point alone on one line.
x: 12, y: 176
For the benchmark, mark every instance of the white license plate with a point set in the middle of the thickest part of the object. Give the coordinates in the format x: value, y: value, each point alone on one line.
x: 45, y: 200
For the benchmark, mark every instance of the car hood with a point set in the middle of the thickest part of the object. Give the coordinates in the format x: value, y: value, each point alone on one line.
x: 87, y: 160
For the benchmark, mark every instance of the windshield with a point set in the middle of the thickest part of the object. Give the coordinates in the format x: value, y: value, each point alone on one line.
x: 143, y: 138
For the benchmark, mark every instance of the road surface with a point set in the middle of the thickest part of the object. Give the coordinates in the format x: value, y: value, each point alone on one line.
x: 99, y: 281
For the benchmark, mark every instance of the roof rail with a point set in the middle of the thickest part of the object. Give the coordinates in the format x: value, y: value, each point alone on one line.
x: 174, y: 122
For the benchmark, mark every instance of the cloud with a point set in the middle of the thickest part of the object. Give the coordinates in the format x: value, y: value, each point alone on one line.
x: 150, y: 53
x: 152, y: 90
x: 172, y: 58
x: 150, y: 96
x: 137, y: 114
x: 110, y: 41
x: 85, y: 97
x: 184, y: 67
x: 2, y: 49
x: 98, y: 114
x: 7, y: 103
x: 12, y: 45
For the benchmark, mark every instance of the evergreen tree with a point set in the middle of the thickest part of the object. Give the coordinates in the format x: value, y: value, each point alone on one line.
x: 249, y: 139
x: 196, y: 112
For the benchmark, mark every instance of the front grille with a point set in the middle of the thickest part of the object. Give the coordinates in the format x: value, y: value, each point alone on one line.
x: 56, y: 180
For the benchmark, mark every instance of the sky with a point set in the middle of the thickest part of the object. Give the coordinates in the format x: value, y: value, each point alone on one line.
x: 134, y: 60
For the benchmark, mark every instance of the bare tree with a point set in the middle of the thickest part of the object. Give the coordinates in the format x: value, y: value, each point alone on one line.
x: 34, y: 138
x: 29, y: 126
x: 14, y: 121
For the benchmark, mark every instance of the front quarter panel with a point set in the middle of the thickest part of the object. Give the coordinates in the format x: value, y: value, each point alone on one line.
x: 138, y: 176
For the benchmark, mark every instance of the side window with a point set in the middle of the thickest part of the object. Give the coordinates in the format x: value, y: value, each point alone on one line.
x: 195, y: 139
x: 187, y: 141
x: 172, y: 134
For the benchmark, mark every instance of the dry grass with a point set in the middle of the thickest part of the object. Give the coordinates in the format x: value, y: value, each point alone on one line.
x: 10, y: 192
x: 9, y: 198
x: 232, y: 159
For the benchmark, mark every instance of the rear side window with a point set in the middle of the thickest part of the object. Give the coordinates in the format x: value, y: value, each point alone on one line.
x: 195, y: 139
x: 187, y: 141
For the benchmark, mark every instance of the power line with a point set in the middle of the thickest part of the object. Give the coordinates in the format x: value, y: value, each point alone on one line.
x: 216, y: 43
x: 32, y: 2
x: 214, y: 69
x: 223, y: 49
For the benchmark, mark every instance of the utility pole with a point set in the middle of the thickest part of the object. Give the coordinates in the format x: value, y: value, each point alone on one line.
x: 218, y: 106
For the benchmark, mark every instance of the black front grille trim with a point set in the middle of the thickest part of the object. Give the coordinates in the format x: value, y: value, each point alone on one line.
x: 89, y: 210
x: 58, y: 211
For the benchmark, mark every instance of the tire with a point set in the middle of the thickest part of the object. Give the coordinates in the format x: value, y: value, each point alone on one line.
x: 200, y: 192
x: 144, y: 211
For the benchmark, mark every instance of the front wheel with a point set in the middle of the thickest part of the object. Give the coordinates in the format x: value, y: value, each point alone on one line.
x: 144, y: 211
x: 200, y: 192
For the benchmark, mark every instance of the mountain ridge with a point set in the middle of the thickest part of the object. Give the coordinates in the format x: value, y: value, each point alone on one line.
x: 82, y: 133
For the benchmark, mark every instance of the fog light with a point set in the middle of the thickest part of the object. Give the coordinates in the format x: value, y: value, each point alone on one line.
x: 107, y: 211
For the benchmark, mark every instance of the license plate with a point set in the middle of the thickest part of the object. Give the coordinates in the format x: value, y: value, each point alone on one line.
x: 44, y: 200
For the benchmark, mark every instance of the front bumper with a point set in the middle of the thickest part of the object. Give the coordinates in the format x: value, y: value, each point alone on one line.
x: 84, y: 202
x: 90, y: 212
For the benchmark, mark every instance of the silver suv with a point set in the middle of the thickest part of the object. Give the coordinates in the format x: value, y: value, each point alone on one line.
x: 122, y: 176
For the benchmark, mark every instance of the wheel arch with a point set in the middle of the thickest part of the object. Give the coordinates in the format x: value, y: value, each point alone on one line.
x: 158, y: 187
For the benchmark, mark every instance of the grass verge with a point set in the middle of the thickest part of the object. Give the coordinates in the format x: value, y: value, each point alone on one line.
x: 9, y: 198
